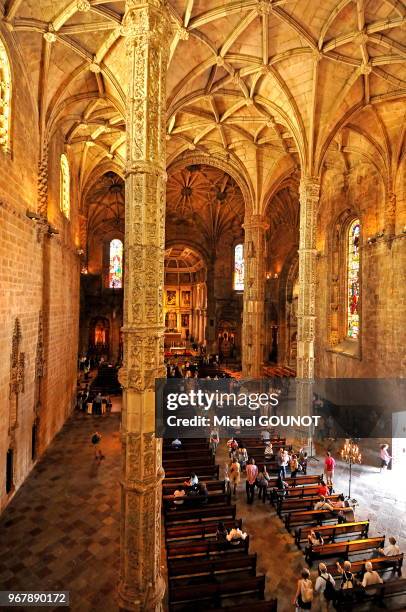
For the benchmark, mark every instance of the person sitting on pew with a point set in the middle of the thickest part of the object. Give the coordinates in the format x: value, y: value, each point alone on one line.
x: 235, y: 535
x: 203, y: 494
x: 315, y: 539
x: 325, y: 587
x: 323, y: 504
x: 370, y: 576
x: 179, y: 494
x: 281, y: 486
x: 323, y: 489
x: 176, y: 444
x: 221, y: 533
x: 391, y: 550
x: 192, y: 482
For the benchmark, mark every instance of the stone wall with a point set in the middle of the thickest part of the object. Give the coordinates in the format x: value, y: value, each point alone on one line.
x: 380, y: 350
x: 38, y: 274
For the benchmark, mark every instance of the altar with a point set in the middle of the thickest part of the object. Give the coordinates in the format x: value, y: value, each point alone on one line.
x: 173, y: 339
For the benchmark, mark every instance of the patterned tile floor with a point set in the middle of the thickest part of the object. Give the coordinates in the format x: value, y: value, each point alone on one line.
x: 61, y: 530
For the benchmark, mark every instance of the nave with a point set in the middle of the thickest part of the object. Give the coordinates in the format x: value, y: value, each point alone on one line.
x: 61, y: 529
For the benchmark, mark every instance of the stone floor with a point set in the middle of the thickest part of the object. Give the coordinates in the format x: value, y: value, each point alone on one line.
x: 61, y: 530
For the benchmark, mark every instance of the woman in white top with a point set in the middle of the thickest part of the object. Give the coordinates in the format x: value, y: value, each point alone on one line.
x: 385, y: 456
x: 370, y: 576
x: 322, y: 589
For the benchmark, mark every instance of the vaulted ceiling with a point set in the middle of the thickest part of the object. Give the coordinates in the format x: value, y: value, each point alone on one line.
x: 269, y: 86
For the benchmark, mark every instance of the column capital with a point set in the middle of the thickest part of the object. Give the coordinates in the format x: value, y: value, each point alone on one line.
x: 253, y: 222
x: 309, y: 187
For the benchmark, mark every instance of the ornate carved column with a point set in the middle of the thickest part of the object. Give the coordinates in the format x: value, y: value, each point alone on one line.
x: 253, y: 332
x: 147, y: 28
x: 209, y: 329
x: 306, y: 316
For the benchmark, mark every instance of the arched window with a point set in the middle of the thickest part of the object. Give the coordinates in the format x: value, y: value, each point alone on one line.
x: 239, y: 267
x: 353, y: 279
x: 65, y: 186
x: 5, y: 98
x: 116, y: 264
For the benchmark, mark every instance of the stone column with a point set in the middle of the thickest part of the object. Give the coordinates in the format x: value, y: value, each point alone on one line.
x: 253, y: 328
x: 306, y: 316
x: 209, y: 331
x: 146, y: 27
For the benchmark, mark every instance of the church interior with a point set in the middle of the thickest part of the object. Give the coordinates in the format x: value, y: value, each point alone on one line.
x: 198, y: 189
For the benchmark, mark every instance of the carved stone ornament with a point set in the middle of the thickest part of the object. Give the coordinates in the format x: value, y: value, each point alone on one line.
x: 17, y: 363
x: 83, y: 6
x: 39, y: 357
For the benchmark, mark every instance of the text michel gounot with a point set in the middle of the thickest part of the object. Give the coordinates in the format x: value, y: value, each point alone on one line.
x: 238, y: 421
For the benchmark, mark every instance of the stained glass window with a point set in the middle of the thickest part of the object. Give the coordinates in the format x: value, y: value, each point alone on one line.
x: 116, y: 264
x: 239, y: 267
x: 353, y: 279
x: 5, y: 98
x: 65, y: 186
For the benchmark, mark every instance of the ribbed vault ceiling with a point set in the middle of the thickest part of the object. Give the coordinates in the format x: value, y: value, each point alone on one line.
x: 268, y: 86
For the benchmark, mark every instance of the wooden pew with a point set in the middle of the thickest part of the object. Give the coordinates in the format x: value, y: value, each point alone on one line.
x: 297, y: 492
x: 315, y: 517
x: 380, y: 564
x: 202, y: 548
x: 189, y: 465
x: 331, y: 532
x: 197, y: 597
x: 186, y: 455
x: 198, y: 531
x: 218, y: 511
x: 179, y: 569
x: 182, y: 471
x: 343, y: 549
x: 195, y: 501
x: 287, y: 504
x: 374, y: 595
x: 212, y: 485
x: 301, y: 480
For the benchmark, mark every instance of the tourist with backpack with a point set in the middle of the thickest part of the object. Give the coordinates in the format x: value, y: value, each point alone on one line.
x: 325, y: 587
x: 304, y: 592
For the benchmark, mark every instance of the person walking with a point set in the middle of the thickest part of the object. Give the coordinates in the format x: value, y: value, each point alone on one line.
x: 329, y: 466
x: 214, y: 440
x: 95, y: 440
x: 385, y: 457
x: 234, y: 475
x: 325, y: 588
x: 304, y: 592
x: 252, y: 473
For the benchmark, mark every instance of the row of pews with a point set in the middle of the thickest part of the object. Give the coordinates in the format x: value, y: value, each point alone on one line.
x: 349, y: 540
x: 256, y: 450
x: 204, y: 574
